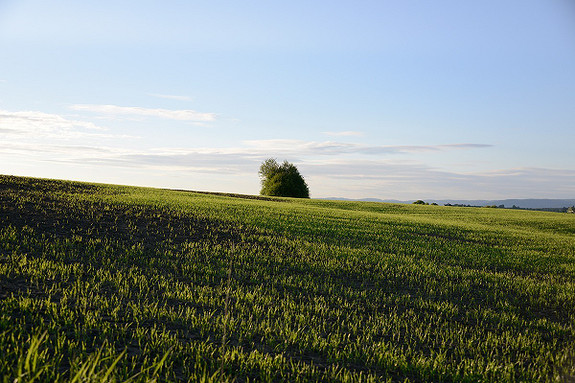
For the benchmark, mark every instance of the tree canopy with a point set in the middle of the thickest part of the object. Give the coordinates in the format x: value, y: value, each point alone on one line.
x: 282, y: 180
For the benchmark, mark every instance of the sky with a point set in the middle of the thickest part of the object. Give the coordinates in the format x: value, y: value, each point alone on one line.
x: 382, y: 99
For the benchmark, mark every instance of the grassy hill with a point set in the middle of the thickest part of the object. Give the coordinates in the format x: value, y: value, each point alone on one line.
x: 120, y: 283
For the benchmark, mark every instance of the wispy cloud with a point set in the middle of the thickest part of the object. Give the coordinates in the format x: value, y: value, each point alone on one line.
x: 41, y: 125
x: 354, y: 178
x: 335, y: 175
x: 180, y: 115
x: 384, y: 178
x: 347, y: 133
x: 56, y: 151
x: 300, y: 147
x: 332, y: 168
x: 171, y: 97
x: 244, y: 159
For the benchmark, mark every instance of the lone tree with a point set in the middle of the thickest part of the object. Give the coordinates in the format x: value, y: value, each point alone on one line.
x: 282, y: 180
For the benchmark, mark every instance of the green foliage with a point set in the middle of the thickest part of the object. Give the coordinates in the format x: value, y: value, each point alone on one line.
x: 420, y: 202
x: 101, y: 282
x: 282, y: 180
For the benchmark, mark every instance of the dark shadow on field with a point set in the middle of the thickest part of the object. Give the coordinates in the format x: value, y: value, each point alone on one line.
x: 130, y: 225
x: 37, y: 186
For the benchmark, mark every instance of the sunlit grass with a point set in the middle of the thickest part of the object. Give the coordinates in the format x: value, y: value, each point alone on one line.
x: 116, y: 283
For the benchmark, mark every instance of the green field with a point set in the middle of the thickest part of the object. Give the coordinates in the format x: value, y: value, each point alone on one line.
x: 112, y: 283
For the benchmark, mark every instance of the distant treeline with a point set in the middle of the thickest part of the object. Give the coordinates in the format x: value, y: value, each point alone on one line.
x: 552, y: 209
x: 556, y: 210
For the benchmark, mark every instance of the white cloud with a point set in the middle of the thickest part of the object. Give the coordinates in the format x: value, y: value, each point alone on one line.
x: 331, y: 168
x: 289, y: 149
x: 180, y: 115
x: 413, y: 180
x: 328, y: 176
x: 55, y: 151
x: 381, y: 178
x: 301, y: 148
x: 33, y: 124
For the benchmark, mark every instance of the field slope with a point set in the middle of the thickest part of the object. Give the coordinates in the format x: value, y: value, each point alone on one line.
x: 102, y: 282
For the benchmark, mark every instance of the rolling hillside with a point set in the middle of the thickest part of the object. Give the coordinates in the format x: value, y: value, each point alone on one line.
x: 107, y: 282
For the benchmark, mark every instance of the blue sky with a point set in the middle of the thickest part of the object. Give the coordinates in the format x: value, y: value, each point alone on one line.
x: 386, y: 99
